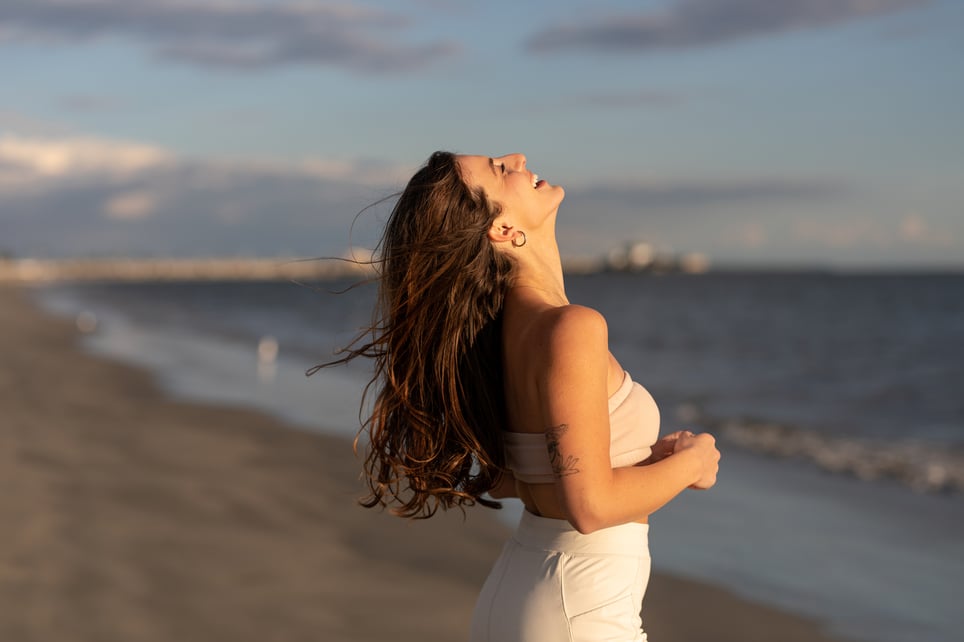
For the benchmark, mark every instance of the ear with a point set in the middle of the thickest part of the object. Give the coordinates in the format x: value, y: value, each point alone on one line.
x: 501, y: 231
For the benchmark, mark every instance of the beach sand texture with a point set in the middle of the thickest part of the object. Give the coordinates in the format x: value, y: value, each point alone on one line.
x: 125, y: 515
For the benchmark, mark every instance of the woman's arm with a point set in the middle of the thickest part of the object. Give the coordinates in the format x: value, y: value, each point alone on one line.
x: 576, y: 410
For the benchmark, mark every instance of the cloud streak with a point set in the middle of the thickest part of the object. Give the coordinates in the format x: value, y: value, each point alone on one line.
x: 44, y: 159
x: 697, y: 194
x: 239, y: 34
x: 73, y: 156
x: 82, y: 196
x: 701, y: 23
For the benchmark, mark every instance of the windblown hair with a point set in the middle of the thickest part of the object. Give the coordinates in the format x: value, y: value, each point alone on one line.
x: 435, y: 429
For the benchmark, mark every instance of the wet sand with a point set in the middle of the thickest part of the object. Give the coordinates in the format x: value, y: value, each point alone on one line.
x: 126, y: 515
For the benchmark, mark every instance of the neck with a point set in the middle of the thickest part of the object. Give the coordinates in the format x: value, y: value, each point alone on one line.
x: 539, y: 267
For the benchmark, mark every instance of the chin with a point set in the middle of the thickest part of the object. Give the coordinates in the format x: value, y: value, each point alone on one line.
x: 562, y: 193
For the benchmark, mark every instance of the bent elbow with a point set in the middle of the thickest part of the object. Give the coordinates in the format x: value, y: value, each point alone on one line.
x: 585, y: 521
x: 584, y: 528
x: 590, y: 509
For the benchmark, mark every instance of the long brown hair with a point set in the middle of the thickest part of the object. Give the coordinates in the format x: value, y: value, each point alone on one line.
x: 435, y: 429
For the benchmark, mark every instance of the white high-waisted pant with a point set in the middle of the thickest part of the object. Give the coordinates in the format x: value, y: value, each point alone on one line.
x: 554, y: 584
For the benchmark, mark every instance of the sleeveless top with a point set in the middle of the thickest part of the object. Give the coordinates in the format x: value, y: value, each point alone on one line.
x: 633, y: 429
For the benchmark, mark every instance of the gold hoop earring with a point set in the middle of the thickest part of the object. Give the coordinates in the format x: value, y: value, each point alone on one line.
x: 513, y: 241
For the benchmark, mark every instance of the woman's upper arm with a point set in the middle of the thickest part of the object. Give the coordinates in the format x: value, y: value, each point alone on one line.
x: 576, y: 410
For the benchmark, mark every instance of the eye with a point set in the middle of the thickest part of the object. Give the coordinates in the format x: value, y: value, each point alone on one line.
x: 502, y: 165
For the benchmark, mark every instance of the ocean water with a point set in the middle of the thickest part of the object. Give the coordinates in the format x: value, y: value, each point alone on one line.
x: 838, y: 401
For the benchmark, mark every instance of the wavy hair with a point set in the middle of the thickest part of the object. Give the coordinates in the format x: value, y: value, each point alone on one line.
x: 435, y: 430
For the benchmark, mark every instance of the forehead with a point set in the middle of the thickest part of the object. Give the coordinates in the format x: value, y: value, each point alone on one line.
x: 477, y: 171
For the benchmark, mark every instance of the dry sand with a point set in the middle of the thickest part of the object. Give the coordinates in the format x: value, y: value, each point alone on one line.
x: 128, y: 516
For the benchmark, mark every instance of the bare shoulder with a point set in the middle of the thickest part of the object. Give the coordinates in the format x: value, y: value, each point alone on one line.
x: 574, y: 335
x: 562, y: 352
x: 573, y: 325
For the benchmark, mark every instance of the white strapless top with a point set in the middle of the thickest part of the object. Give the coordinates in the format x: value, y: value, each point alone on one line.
x: 633, y: 429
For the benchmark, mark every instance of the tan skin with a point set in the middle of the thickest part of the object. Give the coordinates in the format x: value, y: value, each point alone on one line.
x: 559, y: 372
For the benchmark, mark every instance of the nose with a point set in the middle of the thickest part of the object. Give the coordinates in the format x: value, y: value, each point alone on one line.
x: 514, y: 161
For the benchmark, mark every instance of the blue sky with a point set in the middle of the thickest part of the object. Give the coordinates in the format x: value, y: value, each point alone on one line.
x: 789, y: 132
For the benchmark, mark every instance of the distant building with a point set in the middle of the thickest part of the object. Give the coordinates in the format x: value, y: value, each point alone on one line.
x: 694, y: 263
x: 641, y: 256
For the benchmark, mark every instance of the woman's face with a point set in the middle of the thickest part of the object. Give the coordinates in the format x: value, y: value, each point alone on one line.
x: 505, y: 180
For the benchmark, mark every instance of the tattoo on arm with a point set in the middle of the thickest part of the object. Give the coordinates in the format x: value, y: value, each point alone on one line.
x: 561, y: 466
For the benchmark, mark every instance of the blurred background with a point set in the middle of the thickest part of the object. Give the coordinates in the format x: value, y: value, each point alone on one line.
x: 800, y: 132
x: 764, y: 198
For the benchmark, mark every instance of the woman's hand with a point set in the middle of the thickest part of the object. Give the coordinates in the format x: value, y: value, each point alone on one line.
x: 664, y: 447
x: 703, y: 447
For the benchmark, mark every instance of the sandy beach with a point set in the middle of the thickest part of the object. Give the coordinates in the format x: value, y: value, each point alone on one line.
x: 126, y: 515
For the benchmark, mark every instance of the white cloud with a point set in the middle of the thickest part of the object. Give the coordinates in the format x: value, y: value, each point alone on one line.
x: 81, y: 187
x: 25, y: 159
x: 130, y: 205
x: 374, y: 173
x: 46, y: 158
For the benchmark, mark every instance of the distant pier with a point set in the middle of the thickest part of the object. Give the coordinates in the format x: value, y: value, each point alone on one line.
x: 633, y: 257
x: 170, y: 269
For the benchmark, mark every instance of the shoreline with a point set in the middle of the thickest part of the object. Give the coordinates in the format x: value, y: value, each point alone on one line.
x: 140, y: 517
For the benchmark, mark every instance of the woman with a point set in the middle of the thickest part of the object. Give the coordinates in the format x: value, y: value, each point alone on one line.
x: 490, y: 382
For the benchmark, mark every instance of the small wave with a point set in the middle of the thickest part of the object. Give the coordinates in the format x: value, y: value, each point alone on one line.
x: 924, y: 467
